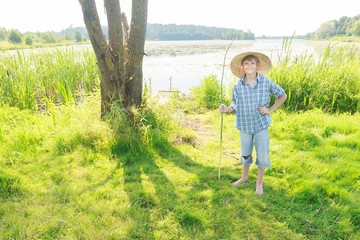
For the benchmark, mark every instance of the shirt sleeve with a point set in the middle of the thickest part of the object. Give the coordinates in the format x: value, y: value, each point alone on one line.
x: 276, y: 90
x: 233, y: 98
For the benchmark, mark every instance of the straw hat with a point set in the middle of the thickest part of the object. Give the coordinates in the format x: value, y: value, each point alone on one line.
x: 263, y: 67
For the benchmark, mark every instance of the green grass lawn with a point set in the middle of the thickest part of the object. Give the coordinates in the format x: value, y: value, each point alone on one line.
x: 67, y: 175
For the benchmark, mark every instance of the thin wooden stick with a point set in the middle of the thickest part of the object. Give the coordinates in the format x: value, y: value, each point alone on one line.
x: 222, y: 118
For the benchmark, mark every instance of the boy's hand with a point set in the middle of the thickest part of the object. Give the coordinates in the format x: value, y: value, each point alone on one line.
x: 264, y: 111
x: 224, y: 109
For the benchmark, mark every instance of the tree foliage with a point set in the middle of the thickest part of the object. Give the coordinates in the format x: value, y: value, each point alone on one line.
x: 78, y: 37
x: 345, y: 26
x: 15, y: 36
x: 2, y: 33
x: 49, y: 37
x: 28, y: 41
x: 355, y: 28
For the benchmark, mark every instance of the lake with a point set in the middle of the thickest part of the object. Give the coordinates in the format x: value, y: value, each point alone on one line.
x: 180, y: 65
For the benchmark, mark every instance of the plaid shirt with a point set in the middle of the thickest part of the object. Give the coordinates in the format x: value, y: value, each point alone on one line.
x: 246, y: 101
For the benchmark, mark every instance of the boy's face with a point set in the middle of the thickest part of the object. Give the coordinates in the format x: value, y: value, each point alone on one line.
x: 249, y: 66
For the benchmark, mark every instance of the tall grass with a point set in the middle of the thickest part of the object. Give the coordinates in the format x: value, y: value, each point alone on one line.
x: 142, y: 129
x: 330, y: 83
x: 61, y: 75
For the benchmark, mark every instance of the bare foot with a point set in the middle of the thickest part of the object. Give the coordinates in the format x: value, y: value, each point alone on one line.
x: 259, y: 189
x: 240, y: 181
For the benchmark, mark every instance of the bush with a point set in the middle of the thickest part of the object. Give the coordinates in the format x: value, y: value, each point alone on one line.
x: 208, y: 94
x: 28, y: 41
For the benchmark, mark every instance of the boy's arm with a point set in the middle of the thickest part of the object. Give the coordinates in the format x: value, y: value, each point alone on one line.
x: 279, y: 101
x: 231, y: 108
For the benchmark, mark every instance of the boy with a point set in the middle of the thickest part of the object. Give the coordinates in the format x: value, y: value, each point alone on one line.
x: 251, y: 102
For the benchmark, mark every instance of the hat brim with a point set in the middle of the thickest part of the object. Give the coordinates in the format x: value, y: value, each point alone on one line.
x: 263, y: 67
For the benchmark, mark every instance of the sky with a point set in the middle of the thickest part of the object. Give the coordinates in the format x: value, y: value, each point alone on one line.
x: 261, y: 17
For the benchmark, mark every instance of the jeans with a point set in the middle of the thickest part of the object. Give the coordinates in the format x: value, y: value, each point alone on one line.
x: 261, y: 141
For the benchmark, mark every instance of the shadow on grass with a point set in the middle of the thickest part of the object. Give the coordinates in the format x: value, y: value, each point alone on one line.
x: 166, y: 204
x: 212, y: 209
x: 208, y: 209
x: 142, y: 203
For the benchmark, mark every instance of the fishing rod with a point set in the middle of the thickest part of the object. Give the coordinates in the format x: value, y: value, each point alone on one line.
x: 221, y: 101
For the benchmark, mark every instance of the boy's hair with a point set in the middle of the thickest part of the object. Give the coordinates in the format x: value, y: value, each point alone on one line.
x: 249, y: 58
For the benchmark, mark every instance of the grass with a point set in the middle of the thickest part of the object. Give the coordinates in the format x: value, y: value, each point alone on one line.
x: 330, y: 83
x: 64, y: 174
x: 37, y: 80
x: 68, y: 175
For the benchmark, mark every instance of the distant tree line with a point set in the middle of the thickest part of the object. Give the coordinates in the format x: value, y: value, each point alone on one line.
x: 16, y: 37
x: 154, y: 32
x: 345, y: 26
x: 169, y: 32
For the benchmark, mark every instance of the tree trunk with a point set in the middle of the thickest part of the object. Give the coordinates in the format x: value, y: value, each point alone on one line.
x: 119, y: 61
x: 135, y: 53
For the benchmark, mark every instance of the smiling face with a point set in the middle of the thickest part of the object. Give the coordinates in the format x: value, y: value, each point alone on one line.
x: 249, y: 64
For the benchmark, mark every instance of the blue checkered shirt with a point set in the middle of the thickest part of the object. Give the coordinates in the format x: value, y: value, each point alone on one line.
x: 246, y: 101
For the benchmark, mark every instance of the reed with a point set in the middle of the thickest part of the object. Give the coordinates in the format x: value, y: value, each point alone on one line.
x: 62, y: 76
x: 330, y: 83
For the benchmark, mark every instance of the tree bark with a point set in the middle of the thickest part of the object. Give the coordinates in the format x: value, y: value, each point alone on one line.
x: 116, y: 40
x: 120, y: 60
x: 135, y: 52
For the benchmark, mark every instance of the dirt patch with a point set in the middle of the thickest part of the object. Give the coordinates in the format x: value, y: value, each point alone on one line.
x: 195, y: 122
x: 165, y: 96
x: 197, y: 125
x: 202, y: 130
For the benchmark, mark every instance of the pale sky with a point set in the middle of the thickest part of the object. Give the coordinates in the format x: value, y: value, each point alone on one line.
x: 262, y: 17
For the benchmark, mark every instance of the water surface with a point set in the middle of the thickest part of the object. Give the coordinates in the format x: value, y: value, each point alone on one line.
x: 181, y: 65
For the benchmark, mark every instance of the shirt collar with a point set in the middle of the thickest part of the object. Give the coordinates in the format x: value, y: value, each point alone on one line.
x: 258, y: 77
